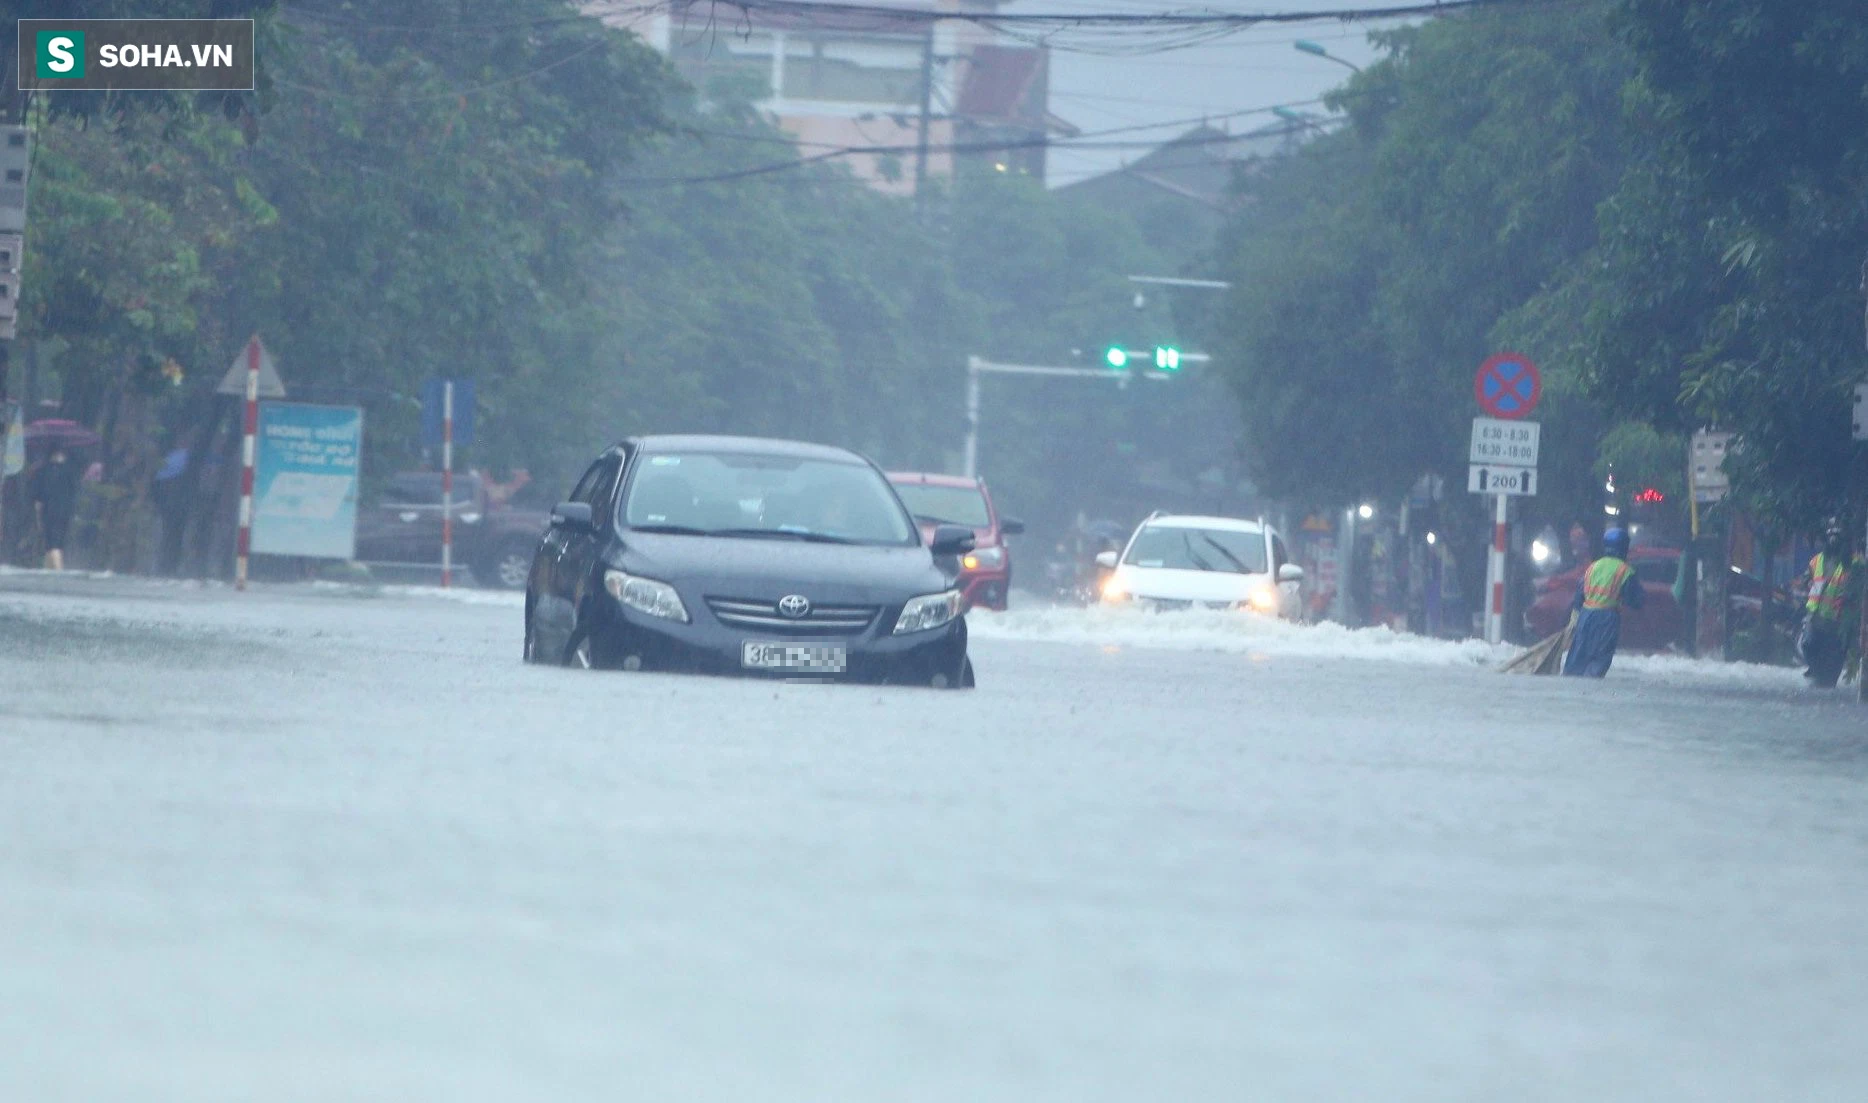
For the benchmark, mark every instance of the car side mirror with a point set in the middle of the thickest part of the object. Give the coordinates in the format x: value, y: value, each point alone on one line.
x: 1106, y: 559
x: 575, y: 515
x: 1011, y: 526
x: 1290, y: 572
x: 951, y: 540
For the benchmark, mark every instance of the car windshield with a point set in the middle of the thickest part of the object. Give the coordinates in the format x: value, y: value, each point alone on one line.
x: 1196, y: 549
x: 764, y: 496
x: 424, y: 489
x: 958, y: 505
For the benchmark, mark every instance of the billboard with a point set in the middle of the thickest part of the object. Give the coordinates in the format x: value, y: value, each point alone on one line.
x: 305, y: 480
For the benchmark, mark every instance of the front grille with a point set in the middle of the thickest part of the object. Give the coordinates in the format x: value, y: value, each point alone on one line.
x: 1166, y: 605
x: 764, y: 615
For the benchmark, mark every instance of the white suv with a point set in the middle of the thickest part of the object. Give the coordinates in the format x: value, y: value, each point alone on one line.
x: 1185, y: 562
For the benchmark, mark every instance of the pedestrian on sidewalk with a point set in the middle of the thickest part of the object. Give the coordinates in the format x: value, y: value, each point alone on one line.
x: 54, y: 495
x: 1608, y: 585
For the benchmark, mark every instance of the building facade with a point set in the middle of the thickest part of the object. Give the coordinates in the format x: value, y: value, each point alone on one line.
x: 868, y: 81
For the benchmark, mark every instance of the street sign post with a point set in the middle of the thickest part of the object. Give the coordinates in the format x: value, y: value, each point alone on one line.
x: 1517, y: 482
x: 1706, y: 466
x: 1498, y: 441
x: 267, y: 383
x: 434, y: 412
x: 1508, y: 385
x: 1504, y: 465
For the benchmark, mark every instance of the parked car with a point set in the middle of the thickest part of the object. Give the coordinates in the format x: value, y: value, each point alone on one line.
x: 403, y: 529
x: 1182, y: 562
x: 739, y: 555
x: 935, y: 500
x: 1659, y: 624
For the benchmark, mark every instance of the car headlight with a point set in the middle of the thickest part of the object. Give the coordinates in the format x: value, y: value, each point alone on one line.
x: 1113, y: 590
x: 1264, y: 599
x: 983, y: 559
x: 928, y: 611
x: 471, y: 517
x: 645, y: 595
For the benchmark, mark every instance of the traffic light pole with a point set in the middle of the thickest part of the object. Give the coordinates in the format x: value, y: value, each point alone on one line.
x: 976, y: 367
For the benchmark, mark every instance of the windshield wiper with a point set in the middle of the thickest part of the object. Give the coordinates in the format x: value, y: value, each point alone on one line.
x: 930, y: 518
x: 1195, y: 556
x: 795, y: 534
x: 1230, y: 558
x: 671, y: 530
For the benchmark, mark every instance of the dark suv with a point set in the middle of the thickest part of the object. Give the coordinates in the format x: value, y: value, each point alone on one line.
x: 403, y: 529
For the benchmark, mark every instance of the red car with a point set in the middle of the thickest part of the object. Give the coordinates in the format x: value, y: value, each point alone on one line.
x: 986, y: 571
x: 1656, y: 626
x: 1659, y: 624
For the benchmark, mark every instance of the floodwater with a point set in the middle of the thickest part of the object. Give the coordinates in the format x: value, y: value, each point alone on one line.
x: 316, y: 844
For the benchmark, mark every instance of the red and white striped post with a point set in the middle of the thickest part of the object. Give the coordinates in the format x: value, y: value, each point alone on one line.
x: 447, y: 483
x: 245, y: 540
x: 1495, y: 572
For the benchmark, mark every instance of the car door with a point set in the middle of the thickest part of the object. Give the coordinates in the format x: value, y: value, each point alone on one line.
x: 576, y: 561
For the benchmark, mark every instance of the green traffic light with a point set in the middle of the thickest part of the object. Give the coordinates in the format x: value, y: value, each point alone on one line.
x: 1167, y: 359
x: 1117, y: 357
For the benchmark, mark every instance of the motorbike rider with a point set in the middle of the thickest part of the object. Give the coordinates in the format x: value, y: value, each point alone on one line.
x: 1832, y: 577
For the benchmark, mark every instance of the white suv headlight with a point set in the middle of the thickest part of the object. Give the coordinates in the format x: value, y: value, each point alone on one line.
x: 645, y: 595
x: 928, y: 611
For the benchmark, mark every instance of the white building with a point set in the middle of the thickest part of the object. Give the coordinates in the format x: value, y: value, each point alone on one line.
x: 839, y: 79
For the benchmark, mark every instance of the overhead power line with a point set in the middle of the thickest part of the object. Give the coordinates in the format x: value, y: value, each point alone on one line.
x: 1183, y: 18
x: 1008, y: 145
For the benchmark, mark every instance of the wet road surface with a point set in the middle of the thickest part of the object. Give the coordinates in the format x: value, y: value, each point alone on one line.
x: 324, y: 845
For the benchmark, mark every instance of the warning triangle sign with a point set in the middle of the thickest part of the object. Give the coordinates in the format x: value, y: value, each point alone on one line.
x: 234, y: 382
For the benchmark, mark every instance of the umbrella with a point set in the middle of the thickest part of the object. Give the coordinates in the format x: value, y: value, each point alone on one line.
x: 59, y: 433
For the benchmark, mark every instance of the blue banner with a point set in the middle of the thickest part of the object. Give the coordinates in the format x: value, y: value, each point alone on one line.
x: 305, y: 480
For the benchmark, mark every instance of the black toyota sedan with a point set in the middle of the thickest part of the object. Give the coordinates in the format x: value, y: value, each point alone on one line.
x: 741, y: 555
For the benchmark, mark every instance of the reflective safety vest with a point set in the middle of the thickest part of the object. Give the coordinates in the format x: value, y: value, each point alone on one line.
x: 1602, y: 583
x: 1828, y: 585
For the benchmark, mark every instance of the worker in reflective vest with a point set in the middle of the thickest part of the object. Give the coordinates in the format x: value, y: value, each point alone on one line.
x: 1825, y: 640
x: 1608, y: 586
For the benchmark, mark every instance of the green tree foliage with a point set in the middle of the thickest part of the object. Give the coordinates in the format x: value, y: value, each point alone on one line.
x: 1373, y: 270
x: 510, y: 192
x: 1727, y: 289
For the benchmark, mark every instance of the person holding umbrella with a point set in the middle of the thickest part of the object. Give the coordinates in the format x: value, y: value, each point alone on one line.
x: 52, y: 486
x: 53, y: 492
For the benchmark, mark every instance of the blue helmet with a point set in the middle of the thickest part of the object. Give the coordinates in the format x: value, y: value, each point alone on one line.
x: 1615, y: 543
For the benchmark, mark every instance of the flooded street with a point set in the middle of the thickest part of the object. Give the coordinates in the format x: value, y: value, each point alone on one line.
x: 322, y: 844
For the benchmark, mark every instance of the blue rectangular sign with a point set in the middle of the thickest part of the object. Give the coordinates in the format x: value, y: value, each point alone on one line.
x: 305, y: 480
x: 432, y: 410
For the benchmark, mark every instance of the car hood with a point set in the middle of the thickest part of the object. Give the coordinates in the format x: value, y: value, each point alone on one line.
x: 1181, y: 585
x: 753, y: 567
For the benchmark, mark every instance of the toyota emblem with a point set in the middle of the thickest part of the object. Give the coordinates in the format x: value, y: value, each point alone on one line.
x: 794, y: 605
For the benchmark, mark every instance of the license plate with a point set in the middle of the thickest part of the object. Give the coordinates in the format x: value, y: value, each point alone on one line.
x: 817, y: 658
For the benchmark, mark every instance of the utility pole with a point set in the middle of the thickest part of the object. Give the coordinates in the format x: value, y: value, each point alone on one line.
x: 1861, y: 644
x: 927, y: 105
x: 15, y: 168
